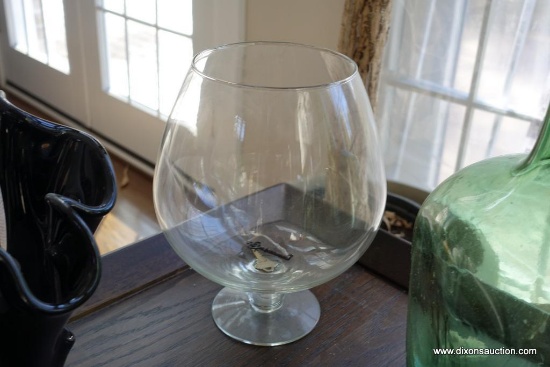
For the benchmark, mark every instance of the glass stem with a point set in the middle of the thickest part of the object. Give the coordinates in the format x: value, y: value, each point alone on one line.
x: 266, y: 302
x: 541, y: 152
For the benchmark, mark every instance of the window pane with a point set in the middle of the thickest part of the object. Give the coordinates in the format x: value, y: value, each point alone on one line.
x: 472, y: 20
x: 16, y: 24
x: 175, y: 54
x: 112, y: 5
x: 514, y: 136
x: 116, y: 55
x: 528, y: 92
x: 450, y: 146
x: 36, y: 36
x: 480, y: 135
x: 435, y: 44
x: 142, y: 49
x: 147, y: 63
x: 144, y: 10
x: 176, y: 16
x: 54, y: 19
x: 438, y: 56
x: 507, y: 29
x: 37, y: 29
x: 493, y: 135
x: 414, y: 132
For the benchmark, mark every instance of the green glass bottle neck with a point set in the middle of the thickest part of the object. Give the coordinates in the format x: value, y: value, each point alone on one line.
x: 540, y: 155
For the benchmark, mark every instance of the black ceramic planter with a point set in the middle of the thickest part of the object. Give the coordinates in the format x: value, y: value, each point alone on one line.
x: 390, y: 255
x: 56, y: 183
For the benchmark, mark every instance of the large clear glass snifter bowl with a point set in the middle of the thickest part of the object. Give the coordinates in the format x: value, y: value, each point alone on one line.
x: 269, y: 181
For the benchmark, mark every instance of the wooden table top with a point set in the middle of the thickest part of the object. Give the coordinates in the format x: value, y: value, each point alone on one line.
x: 151, y: 309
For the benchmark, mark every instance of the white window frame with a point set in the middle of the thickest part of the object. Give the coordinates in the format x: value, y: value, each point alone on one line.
x: 469, y: 100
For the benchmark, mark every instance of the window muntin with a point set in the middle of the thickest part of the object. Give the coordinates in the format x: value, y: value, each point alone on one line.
x: 154, y: 35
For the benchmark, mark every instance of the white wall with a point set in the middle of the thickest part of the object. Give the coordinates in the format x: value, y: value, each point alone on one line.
x: 313, y: 22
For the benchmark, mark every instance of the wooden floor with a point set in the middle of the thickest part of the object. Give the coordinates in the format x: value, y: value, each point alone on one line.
x: 133, y: 217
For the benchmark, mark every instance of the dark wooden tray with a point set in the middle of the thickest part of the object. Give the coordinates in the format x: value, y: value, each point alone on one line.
x: 151, y: 309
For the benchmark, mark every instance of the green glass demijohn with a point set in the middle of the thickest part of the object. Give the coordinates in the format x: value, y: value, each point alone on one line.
x: 480, y: 278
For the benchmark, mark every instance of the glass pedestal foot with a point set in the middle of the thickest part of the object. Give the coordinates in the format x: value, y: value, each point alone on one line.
x: 265, y: 319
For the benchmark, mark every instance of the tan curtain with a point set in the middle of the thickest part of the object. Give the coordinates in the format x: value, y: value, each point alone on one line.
x: 363, y: 35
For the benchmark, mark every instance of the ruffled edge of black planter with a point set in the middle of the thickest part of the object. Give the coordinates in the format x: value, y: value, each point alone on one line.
x: 57, y: 183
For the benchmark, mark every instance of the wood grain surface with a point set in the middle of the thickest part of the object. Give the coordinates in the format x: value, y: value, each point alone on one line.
x: 132, y: 269
x: 362, y: 323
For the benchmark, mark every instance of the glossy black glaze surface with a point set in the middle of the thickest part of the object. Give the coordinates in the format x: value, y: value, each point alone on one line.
x: 57, y: 183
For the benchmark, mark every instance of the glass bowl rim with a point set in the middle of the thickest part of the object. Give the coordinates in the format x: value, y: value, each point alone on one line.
x: 201, y: 55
